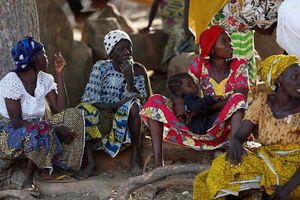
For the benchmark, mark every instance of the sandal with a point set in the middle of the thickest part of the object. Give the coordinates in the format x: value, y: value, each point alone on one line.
x: 112, y: 196
x: 32, y: 190
x: 62, y: 179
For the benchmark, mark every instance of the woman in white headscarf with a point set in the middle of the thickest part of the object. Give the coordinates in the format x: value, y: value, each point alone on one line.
x: 288, y: 27
x: 112, y: 100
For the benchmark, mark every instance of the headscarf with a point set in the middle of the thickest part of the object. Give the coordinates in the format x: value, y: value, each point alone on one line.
x: 288, y: 27
x: 112, y: 39
x: 23, y: 53
x: 208, y: 39
x: 271, y: 68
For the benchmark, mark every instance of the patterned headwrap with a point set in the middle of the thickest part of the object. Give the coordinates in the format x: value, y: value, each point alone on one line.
x: 208, y: 39
x: 112, y: 38
x: 23, y: 53
x: 271, y: 68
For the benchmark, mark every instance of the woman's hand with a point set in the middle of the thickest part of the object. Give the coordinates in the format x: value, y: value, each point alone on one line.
x: 127, y: 68
x: 59, y: 63
x: 235, y: 152
x: 281, y: 193
x: 65, y: 134
x: 218, y: 98
x: 145, y: 30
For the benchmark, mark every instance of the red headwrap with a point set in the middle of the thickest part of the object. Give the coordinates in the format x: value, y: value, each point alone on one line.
x: 208, y: 39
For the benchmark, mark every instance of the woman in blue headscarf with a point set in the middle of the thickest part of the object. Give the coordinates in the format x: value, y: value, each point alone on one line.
x: 24, y: 131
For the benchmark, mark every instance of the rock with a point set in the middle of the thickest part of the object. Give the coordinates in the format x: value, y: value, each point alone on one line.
x: 180, y: 63
x: 110, y: 10
x: 55, y: 30
x: 93, y: 34
x: 78, y: 71
x: 57, y: 36
x: 148, y: 48
x: 266, y: 45
x: 17, y: 179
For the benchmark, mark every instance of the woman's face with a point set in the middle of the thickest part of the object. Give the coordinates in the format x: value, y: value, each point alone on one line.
x: 223, y: 47
x: 122, y: 51
x: 289, y: 80
x: 42, y: 61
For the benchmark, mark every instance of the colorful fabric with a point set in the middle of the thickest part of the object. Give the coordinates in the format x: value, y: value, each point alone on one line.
x: 288, y: 27
x: 201, y: 13
x: 106, y: 85
x: 112, y: 39
x: 172, y: 12
x: 283, y: 131
x: 23, y: 53
x: 271, y: 68
x: 208, y: 39
x: 108, y: 126
x: 160, y: 108
x: 39, y: 142
x: 267, y: 166
x: 238, y: 78
x: 260, y: 13
x: 229, y: 17
x: 219, y: 87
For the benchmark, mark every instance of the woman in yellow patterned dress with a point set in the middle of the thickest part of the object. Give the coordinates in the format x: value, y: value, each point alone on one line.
x: 272, y: 170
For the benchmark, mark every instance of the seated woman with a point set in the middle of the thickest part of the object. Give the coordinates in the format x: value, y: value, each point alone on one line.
x: 218, y: 75
x: 112, y: 100
x: 273, y: 167
x: 56, y: 142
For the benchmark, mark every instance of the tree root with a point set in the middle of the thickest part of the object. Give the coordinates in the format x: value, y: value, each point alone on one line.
x: 15, y: 194
x: 157, y: 174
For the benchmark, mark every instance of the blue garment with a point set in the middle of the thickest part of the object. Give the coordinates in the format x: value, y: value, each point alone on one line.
x: 106, y: 85
x: 23, y: 53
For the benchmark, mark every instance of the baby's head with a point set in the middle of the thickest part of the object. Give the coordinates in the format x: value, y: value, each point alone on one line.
x: 182, y: 84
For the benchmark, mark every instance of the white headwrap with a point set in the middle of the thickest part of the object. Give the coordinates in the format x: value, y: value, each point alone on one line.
x: 288, y: 27
x: 113, y: 37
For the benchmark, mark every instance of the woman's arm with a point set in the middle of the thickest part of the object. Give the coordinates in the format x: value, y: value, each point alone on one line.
x: 152, y: 15
x: 58, y: 102
x: 113, y: 106
x: 235, y: 147
x: 282, y: 192
x: 15, y: 113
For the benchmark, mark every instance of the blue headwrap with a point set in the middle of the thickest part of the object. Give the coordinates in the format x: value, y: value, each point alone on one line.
x: 23, y: 53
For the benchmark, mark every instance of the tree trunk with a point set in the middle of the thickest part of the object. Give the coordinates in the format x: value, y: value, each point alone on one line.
x: 18, y: 18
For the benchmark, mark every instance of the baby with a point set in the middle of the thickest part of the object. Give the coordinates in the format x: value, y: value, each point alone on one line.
x: 199, y: 108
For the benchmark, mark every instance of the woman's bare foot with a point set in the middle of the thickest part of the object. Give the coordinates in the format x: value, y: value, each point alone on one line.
x: 90, y: 170
x: 136, y: 170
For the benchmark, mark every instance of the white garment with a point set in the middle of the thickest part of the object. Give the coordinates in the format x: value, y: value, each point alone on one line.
x: 11, y: 87
x: 288, y: 27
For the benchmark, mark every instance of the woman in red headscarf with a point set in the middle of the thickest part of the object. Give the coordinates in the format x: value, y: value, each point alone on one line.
x: 219, y: 74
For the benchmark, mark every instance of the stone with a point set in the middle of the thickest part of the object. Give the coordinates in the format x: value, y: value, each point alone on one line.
x: 93, y: 34
x: 266, y: 45
x: 109, y: 10
x: 57, y: 36
x: 77, y: 71
x: 148, y: 48
x: 180, y: 63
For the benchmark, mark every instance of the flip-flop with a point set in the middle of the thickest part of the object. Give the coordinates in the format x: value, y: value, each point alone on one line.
x: 112, y: 196
x: 62, y: 179
x: 32, y: 190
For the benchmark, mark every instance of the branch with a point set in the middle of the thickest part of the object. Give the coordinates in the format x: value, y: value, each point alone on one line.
x: 15, y: 194
x: 161, y: 172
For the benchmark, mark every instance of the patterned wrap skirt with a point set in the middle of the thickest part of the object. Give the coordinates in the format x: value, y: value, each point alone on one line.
x: 39, y: 142
x: 263, y: 168
x: 109, y: 128
x: 160, y: 108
